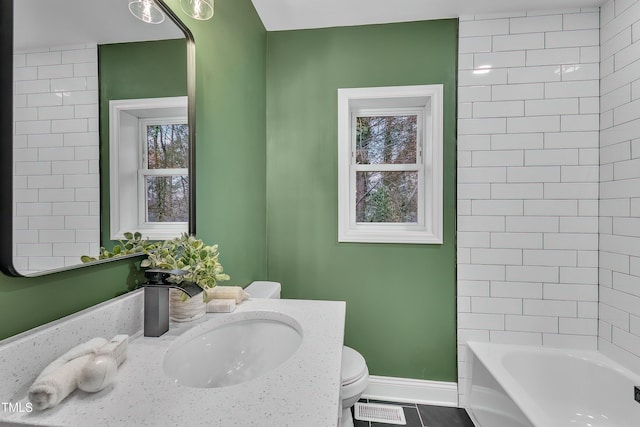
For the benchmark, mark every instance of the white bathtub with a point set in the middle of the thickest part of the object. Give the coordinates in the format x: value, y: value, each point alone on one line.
x: 523, y: 386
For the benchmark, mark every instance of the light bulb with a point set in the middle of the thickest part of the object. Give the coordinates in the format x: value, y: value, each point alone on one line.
x: 198, y: 9
x: 146, y: 11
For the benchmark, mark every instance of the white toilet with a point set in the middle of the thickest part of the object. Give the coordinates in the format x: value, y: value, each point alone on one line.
x: 355, y: 378
x: 355, y: 374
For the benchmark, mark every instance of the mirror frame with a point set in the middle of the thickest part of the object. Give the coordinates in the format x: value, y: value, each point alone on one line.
x: 6, y: 137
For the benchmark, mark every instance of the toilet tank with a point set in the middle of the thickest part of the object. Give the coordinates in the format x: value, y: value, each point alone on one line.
x: 263, y: 289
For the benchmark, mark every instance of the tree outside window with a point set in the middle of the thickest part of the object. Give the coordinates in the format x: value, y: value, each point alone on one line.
x: 165, y: 175
x: 387, y: 196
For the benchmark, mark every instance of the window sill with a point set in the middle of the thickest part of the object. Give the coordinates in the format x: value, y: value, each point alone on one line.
x: 153, y: 233
x: 389, y: 236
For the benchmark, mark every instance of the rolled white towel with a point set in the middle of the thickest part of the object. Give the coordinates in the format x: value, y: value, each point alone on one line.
x: 60, y: 377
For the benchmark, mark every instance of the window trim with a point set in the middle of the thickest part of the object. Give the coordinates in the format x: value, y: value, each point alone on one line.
x: 124, y: 213
x: 427, y: 98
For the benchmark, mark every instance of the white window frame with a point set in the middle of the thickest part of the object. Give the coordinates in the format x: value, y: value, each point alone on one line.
x: 127, y: 171
x: 424, y: 100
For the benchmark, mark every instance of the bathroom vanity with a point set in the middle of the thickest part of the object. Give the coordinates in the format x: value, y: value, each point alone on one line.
x: 304, y: 389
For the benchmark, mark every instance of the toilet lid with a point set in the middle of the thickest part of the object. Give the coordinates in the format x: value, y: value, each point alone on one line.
x: 353, y: 365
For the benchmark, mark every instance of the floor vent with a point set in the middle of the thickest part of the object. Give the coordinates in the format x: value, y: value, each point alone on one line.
x: 377, y: 413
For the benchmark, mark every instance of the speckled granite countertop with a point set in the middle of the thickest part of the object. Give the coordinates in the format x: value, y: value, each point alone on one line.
x: 303, y: 391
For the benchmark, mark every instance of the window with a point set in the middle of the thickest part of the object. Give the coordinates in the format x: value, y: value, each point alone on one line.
x: 149, y: 155
x: 163, y: 182
x: 390, y: 164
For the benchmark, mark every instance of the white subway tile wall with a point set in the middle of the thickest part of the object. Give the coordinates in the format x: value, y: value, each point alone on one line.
x: 56, y: 150
x: 619, y: 306
x: 528, y: 179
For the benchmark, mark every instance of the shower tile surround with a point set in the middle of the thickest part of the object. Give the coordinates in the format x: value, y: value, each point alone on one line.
x: 619, y: 328
x: 56, y: 152
x: 528, y: 173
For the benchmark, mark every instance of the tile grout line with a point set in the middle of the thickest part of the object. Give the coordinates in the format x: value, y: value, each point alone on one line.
x: 420, y: 417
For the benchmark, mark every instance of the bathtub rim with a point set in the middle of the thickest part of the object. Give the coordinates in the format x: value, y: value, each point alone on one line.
x: 486, y: 354
x: 489, y: 353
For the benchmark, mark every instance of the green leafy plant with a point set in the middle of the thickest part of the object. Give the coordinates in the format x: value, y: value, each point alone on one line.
x: 198, y: 261
x: 189, y: 254
x: 134, y: 244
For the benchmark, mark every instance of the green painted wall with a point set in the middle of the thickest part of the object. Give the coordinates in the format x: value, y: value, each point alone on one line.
x: 230, y: 147
x: 132, y: 71
x: 231, y: 129
x: 401, y: 305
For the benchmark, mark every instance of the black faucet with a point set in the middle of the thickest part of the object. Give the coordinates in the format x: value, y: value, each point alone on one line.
x: 156, y: 299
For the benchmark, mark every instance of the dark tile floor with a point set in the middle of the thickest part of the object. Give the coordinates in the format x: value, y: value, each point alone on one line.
x: 423, y: 416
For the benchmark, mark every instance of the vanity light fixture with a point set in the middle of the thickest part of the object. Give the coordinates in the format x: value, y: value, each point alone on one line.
x: 146, y: 11
x: 198, y: 9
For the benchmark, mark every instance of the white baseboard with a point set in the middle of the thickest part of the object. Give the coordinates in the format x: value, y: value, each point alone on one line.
x: 412, y: 391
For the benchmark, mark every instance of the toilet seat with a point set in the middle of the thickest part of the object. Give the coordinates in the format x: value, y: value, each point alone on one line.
x: 354, y: 366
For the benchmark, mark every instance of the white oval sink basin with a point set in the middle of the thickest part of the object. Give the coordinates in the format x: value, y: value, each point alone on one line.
x: 237, y: 349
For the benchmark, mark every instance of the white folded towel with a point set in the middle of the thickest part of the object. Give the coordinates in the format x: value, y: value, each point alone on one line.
x: 227, y: 292
x: 221, y: 305
x: 60, y: 377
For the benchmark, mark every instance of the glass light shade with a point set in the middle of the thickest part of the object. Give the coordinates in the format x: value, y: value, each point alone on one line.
x: 198, y: 9
x: 146, y: 11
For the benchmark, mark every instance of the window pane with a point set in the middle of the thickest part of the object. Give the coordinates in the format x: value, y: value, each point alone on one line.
x: 389, y: 197
x: 386, y: 139
x: 168, y: 146
x: 168, y: 198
